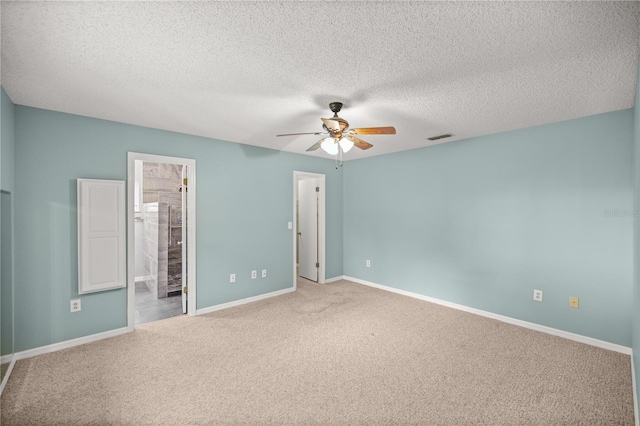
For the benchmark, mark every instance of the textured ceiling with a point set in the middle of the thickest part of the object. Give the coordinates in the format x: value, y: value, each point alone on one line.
x: 246, y: 71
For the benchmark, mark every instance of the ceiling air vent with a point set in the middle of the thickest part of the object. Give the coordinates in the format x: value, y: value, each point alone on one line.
x: 435, y: 138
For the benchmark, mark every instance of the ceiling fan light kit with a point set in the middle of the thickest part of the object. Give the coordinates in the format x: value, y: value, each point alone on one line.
x: 329, y: 146
x: 345, y: 144
x: 340, y: 138
x: 332, y: 145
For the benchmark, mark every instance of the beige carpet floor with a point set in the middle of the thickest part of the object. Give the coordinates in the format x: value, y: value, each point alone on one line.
x: 331, y: 354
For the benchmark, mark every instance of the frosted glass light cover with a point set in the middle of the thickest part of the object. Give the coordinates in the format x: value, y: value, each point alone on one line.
x: 329, y: 146
x: 346, y: 144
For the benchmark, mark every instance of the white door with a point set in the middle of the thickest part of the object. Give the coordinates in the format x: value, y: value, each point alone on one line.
x: 308, y: 229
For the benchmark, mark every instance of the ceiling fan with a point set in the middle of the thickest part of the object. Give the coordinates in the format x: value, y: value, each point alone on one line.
x: 339, y: 137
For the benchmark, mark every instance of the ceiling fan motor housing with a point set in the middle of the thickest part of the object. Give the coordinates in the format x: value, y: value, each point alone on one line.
x: 335, y: 107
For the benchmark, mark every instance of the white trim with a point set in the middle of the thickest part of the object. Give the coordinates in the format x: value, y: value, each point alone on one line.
x: 334, y: 279
x: 119, y: 331
x: 9, y: 370
x: 142, y: 278
x: 635, y: 396
x: 537, y: 327
x: 235, y: 303
x: 11, y: 358
x: 321, y: 181
x: 69, y: 343
x: 191, y: 229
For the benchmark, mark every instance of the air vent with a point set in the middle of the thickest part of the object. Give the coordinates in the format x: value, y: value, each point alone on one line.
x: 435, y: 138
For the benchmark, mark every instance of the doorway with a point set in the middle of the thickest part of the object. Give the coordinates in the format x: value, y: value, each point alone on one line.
x: 161, y: 238
x: 309, y: 226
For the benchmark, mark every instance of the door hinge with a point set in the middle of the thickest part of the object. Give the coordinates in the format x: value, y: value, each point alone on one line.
x: 317, y: 189
x: 317, y: 265
x: 185, y: 290
x: 184, y: 181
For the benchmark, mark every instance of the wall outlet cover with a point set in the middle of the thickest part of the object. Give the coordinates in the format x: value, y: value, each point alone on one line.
x: 76, y: 305
x: 254, y: 274
x: 368, y: 263
x: 537, y: 295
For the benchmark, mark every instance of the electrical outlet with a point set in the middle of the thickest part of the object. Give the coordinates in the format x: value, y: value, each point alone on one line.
x: 264, y: 273
x: 76, y: 305
x: 232, y: 278
x: 368, y: 263
x: 574, y: 302
x: 254, y: 275
x: 537, y: 295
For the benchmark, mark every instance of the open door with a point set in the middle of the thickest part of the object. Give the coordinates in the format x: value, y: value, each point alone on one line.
x: 308, y: 229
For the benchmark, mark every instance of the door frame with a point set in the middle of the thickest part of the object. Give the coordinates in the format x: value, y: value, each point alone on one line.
x: 191, y: 229
x: 320, y: 180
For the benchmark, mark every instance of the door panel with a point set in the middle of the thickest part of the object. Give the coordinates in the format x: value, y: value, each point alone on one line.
x: 308, y: 229
x: 101, y: 235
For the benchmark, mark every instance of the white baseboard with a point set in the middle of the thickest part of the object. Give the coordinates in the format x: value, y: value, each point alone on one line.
x: 119, y: 331
x: 533, y: 326
x: 69, y: 343
x: 334, y: 279
x: 227, y: 305
x: 12, y: 360
x: 635, y: 395
x: 142, y: 278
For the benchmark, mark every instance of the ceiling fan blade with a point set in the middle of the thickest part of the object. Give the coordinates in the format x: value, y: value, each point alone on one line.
x: 389, y: 130
x: 358, y: 142
x: 315, y: 145
x: 296, y: 134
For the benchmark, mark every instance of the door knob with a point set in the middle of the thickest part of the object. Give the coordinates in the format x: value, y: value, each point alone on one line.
x: 299, y: 233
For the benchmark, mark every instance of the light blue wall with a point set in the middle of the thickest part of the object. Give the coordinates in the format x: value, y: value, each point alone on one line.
x: 7, y: 184
x: 245, y: 199
x: 7, y: 147
x: 483, y: 222
x: 480, y: 222
x: 636, y: 238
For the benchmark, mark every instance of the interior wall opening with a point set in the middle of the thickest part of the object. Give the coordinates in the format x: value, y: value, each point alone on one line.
x: 159, y: 224
x: 161, y: 238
